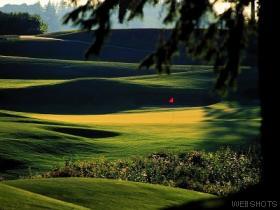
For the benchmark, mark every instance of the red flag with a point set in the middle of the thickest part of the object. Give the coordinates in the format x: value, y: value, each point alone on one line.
x: 171, y: 100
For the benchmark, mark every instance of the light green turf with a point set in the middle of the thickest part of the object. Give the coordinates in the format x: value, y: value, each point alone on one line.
x: 31, y: 143
x: 12, y: 198
x: 108, y: 194
x: 34, y: 144
x: 21, y: 83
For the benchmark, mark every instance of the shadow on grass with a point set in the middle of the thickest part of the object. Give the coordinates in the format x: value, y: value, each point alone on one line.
x: 98, y: 96
x: 238, y: 128
x: 11, y: 115
x: 8, y: 164
x: 258, y: 196
x: 83, y: 132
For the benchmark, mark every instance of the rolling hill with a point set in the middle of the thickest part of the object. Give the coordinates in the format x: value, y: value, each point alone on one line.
x: 131, y: 45
x: 82, y: 193
x: 122, y: 45
x: 95, y: 109
x: 55, y: 107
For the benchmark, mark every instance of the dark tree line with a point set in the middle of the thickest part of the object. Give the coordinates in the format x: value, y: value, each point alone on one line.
x: 21, y: 23
x: 50, y: 14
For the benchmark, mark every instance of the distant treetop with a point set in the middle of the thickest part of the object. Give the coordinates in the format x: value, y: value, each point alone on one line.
x: 21, y: 23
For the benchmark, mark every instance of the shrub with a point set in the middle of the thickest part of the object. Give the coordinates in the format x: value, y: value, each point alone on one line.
x: 222, y: 172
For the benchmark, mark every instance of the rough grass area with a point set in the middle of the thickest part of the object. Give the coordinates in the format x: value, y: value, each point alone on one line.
x: 95, y: 194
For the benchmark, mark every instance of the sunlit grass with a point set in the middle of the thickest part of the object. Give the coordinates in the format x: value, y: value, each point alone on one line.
x: 13, y: 198
x: 20, y: 83
x: 93, y: 113
x: 35, y: 144
x: 192, y: 115
x: 97, y: 194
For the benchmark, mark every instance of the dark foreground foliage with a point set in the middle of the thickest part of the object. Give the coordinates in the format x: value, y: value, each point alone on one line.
x: 222, y: 172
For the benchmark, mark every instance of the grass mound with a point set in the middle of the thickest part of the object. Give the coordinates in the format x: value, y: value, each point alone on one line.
x: 122, y: 45
x: 29, y: 138
x: 108, y: 194
x: 92, y: 96
x: 13, y: 198
x: 40, y: 70
x: 76, y: 95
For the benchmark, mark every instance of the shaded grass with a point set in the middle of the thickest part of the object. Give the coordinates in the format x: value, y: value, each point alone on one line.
x: 55, y: 69
x: 133, y: 113
x: 13, y: 67
x: 122, y: 45
x: 83, y: 132
x: 190, y: 86
x: 108, y: 194
x: 32, y: 145
x: 98, y: 96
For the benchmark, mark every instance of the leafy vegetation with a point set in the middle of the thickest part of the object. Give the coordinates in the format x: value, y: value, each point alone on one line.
x: 221, y: 172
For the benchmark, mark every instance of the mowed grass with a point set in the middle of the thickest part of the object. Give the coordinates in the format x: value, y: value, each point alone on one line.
x: 86, y: 193
x: 98, y: 87
x: 29, y: 68
x: 89, y: 115
x: 44, y: 141
x: 121, y: 45
x: 13, y: 198
x: 53, y: 110
x: 20, y: 83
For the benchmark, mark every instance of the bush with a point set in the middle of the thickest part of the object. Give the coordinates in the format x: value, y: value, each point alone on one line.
x: 21, y: 23
x: 222, y: 172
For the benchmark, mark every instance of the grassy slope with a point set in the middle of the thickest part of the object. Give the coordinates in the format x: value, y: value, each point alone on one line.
x: 43, y: 144
x: 108, y: 194
x: 52, y: 69
x: 113, y: 94
x: 40, y: 141
x: 155, y: 127
x: 76, y: 45
x: 121, y: 45
x: 12, y: 198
